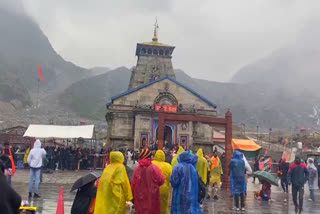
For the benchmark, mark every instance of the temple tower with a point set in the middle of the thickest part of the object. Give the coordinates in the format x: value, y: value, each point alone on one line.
x: 154, y: 61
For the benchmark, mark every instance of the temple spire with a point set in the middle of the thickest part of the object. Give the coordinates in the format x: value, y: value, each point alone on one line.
x: 155, y: 31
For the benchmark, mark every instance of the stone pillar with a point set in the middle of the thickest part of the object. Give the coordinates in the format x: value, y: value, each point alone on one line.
x: 228, y: 139
x: 160, y: 131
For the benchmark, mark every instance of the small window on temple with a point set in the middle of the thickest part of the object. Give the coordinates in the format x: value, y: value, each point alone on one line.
x: 155, y: 52
x: 161, y: 52
x: 143, y: 51
x: 149, y: 51
x: 166, y: 53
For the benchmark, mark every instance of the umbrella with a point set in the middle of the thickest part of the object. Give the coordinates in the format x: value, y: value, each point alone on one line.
x: 92, y: 176
x: 266, y: 176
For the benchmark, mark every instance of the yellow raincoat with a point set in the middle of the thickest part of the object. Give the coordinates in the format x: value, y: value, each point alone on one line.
x: 202, y: 166
x: 215, y: 171
x: 166, y: 169
x: 175, y: 158
x: 25, y: 157
x: 114, y: 187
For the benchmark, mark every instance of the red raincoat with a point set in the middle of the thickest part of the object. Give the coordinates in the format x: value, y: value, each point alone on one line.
x: 146, y: 181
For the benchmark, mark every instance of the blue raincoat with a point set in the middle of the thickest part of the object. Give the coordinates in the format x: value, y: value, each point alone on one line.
x: 237, y: 174
x: 185, y: 184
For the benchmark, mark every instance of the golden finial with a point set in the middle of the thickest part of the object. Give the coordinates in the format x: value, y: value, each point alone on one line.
x: 155, y: 32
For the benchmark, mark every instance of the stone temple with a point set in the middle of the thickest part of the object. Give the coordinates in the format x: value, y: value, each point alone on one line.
x: 133, y: 116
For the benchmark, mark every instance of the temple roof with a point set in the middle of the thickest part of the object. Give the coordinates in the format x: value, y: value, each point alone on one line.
x: 155, y: 41
x: 159, y: 80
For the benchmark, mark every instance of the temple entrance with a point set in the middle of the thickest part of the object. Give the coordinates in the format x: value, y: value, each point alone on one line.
x: 222, y: 122
x: 168, y: 137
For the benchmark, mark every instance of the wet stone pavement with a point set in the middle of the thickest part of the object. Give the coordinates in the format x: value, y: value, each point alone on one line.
x: 50, y: 187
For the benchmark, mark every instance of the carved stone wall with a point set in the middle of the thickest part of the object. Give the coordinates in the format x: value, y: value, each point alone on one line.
x: 125, y: 129
x: 147, y: 96
x: 149, y: 68
x: 186, y: 129
x: 120, y: 128
x: 132, y: 115
x: 143, y: 125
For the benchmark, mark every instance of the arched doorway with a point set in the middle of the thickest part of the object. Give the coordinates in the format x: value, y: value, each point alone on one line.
x: 168, y: 136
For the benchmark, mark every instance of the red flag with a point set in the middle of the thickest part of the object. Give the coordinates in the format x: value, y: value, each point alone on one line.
x: 60, y: 206
x: 40, y: 73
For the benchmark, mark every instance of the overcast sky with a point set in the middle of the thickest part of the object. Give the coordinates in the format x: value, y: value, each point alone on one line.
x: 213, y: 38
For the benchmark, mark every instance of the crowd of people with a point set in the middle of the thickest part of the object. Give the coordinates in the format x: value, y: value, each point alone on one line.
x: 175, y: 181
x: 161, y: 186
x: 188, y: 177
x: 57, y: 157
x: 150, y: 185
x: 67, y: 158
x: 297, y: 175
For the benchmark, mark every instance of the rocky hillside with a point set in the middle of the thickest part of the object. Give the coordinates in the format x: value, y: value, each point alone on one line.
x: 288, y: 81
x: 88, y: 97
x: 292, y: 68
x: 256, y: 104
x: 278, y: 91
x: 23, y: 48
x: 99, y: 70
x: 295, y: 67
x: 251, y: 103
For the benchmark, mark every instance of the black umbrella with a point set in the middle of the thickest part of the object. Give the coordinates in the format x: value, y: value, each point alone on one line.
x: 92, y: 176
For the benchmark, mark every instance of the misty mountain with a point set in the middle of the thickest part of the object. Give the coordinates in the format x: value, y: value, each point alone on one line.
x: 288, y: 81
x: 278, y: 91
x: 23, y: 48
x: 291, y: 68
x: 88, y: 97
x: 257, y: 104
x: 99, y: 70
x: 251, y: 104
x: 294, y: 67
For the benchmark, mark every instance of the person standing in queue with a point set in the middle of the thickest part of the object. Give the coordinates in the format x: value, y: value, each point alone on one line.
x: 202, y: 169
x: 185, y: 184
x: 202, y: 166
x: 238, y: 179
x: 255, y: 167
x: 313, y: 178
x: 297, y: 176
x: 283, y: 171
x: 10, y: 200
x: 145, y: 184
x: 215, y: 175
x: 35, y: 163
x: 114, y: 188
x: 174, y: 160
x: 10, y: 167
x: 166, y: 169
x: 25, y: 157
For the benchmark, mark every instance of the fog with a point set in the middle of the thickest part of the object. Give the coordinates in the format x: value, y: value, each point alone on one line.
x: 213, y: 38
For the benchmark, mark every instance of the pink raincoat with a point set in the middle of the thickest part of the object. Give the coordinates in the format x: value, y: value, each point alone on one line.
x: 146, y: 181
